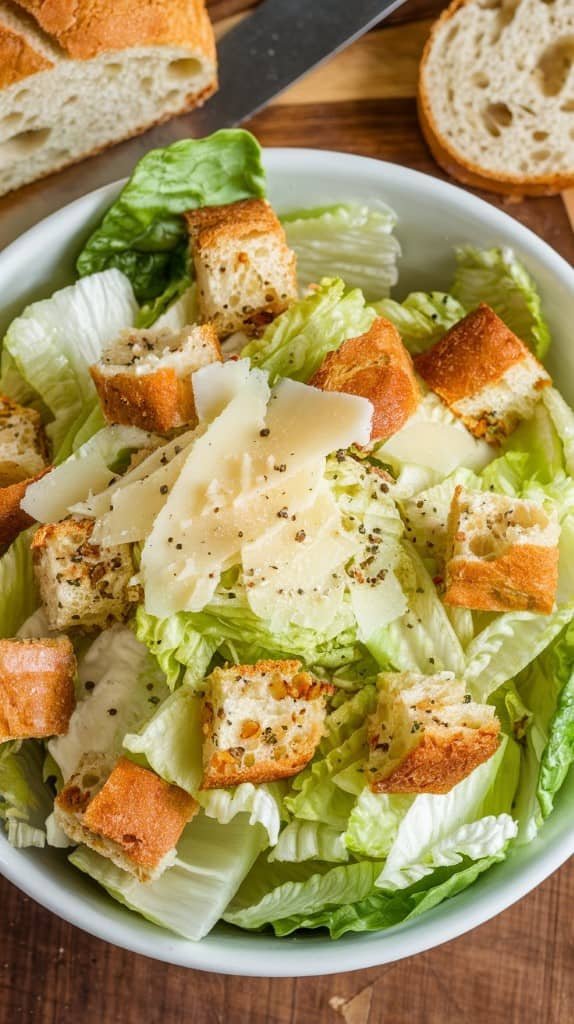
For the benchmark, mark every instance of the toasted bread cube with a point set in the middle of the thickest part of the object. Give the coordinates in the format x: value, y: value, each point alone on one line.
x: 37, y: 694
x: 81, y: 584
x: 144, y: 378
x: 23, y: 446
x: 130, y: 815
x: 377, y: 366
x: 426, y: 735
x: 502, y: 553
x: 485, y: 374
x: 260, y: 722
x: 244, y: 268
x: 13, y: 519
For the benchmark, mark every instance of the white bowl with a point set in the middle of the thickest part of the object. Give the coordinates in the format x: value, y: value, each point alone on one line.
x: 433, y: 218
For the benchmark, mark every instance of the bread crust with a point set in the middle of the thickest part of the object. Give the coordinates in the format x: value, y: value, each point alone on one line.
x: 440, y: 761
x: 525, y: 578
x: 13, y: 519
x: 208, y: 226
x: 158, y: 401
x: 18, y: 58
x: 36, y: 687
x: 466, y: 171
x: 223, y: 770
x: 12, y: 472
x: 474, y: 353
x: 376, y: 366
x: 88, y: 28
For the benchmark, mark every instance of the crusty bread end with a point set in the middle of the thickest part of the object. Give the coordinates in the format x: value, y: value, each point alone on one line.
x: 36, y: 688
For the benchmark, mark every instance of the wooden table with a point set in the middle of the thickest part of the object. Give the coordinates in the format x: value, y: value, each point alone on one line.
x: 515, y: 970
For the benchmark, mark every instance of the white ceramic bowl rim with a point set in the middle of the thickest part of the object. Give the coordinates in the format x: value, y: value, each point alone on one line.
x: 228, y: 950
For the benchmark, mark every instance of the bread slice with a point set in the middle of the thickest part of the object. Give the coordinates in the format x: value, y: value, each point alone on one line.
x: 261, y: 722
x: 485, y: 374
x: 129, y: 815
x: 82, y: 585
x: 144, y: 378
x: 36, y: 688
x: 426, y: 734
x: 245, y: 270
x: 13, y: 519
x: 377, y: 366
x: 496, y: 94
x: 23, y: 446
x: 502, y: 553
x: 75, y: 78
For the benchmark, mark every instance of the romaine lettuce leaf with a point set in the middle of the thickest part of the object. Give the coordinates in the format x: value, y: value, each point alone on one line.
x: 190, y: 897
x: 19, y: 596
x: 296, y: 343
x: 143, y: 233
x: 25, y: 799
x: 563, y: 419
x: 421, y: 318
x: 309, y: 840
x: 496, y: 277
x: 353, y: 241
x: 54, y: 342
x: 261, y: 802
x: 374, y: 822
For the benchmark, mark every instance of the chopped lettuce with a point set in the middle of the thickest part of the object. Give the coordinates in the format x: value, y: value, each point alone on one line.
x: 53, y: 343
x: 143, y: 232
x: 374, y: 822
x: 261, y: 802
x: 25, y: 799
x: 309, y: 840
x: 296, y: 343
x: 496, y: 277
x: 421, y: 318
x: 353, y: 241
x: 190, y: 897
x: 18, y: 592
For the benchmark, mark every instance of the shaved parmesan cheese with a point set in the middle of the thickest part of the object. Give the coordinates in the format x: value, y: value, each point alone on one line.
x: 215, y: 385
x: 374, y: 607
x: 434, y: 438
x: 295, y: 572
x: 50, y: 498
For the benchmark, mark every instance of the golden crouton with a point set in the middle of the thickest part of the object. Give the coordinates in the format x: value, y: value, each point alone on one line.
x: 130, y: 815
x: 13, y: 519
x: 485, y: 374
x: 82, y: 584
x: 36, y: 688
x: 426, y: 735
x: 377, y: 366
x: 502, y: 553
x: 23, y: 446
x: 144, y: 378
x: 260, y: 722
x: 244, y: 268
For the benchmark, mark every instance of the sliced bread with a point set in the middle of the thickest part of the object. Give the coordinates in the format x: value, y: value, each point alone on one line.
x: 496, y: 94
x: 75, y: 78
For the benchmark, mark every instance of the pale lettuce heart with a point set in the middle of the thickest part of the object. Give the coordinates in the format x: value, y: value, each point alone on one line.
x: 18, y: 593
x: 309, y: 840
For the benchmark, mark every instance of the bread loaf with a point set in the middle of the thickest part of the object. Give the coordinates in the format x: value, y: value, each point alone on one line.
x: 496, y: 94
x: 75, y: 78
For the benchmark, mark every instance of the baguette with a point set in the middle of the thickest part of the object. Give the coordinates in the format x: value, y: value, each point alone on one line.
x: 36, y: 688
x: 496, y: 95
x: 75, y: 78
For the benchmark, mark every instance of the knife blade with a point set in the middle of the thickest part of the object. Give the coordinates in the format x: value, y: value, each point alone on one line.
x: 259, y: 57
x: 275, y: 46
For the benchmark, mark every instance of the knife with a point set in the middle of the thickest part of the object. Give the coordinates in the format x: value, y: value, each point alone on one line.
x: 259, y: 57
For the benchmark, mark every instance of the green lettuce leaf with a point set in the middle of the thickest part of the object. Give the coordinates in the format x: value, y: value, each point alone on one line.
x: 309, y: 840
x: 421, y: 318
x: 353, y: 241
x: 25, y: 799
x: 165, y: 307
x: 563, y: 420
x: 143, y: 233
x: 261, y: 802
x: 190, y: 897
x: 341, y: 885
x: 19, y: 596
x: 296, y: 343
x: 374, y: 822
x: 177, y: 644
x: 496, y: 277
x: 55, y: 341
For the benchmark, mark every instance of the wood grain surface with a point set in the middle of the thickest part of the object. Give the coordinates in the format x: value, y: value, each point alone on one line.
x: 517, y: 969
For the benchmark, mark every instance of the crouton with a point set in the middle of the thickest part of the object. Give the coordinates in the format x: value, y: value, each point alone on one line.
x: 36, y: 688
x: 128, y: 815
x: 377, y: 366
x: 82, y: 585
x: 144, y: 378
x: 502, y: 553
x: 260, y: 722
x: 245, y: 271
x: 426, y: 735
x: 23, y: 445
x: 485, y: 374
x: 13, y: 519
